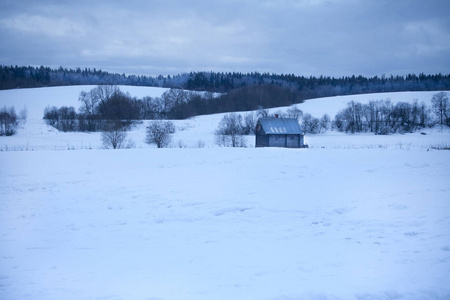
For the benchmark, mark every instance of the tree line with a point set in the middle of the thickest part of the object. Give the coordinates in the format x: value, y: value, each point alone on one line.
x: 109, y: 110
x: 106, y: 105
x: 383, y: 117
x: 245, y: 98
x: 12, y: 77
x: 238, y: 91
x: 222, y: 82
x: 378, y: 116
x: 101, y: 108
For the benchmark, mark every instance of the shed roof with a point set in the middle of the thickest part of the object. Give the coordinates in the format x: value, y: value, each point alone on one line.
x: 280, y: 126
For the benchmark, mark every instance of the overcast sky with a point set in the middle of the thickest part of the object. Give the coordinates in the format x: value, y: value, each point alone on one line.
x: 303, y: 37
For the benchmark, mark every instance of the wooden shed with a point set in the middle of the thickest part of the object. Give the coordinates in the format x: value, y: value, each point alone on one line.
x: 275, y: 132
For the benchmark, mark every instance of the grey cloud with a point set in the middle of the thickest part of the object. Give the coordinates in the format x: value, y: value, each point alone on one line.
x: 305, y: 37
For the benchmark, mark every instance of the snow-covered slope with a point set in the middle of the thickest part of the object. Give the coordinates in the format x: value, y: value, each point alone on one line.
x: 36, y: 135
x: 366, y: 217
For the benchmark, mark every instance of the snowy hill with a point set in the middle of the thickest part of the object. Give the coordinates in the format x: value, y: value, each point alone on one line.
x: 366, y: 217
x: 36, y: 135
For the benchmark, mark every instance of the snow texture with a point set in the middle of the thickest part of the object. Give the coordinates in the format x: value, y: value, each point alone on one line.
x: 364, y: 217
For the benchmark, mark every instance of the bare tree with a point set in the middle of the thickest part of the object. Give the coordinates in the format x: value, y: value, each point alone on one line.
x: 103, y: 92
x: 441, y: 107
x: 229, y: 132
x: 113, y: 136
x: 172, y: 100
x: 63, y: 118
x: 94, y: 106
x: 159, y: 133
x: 325, y: 123
x: 310, y: 124
x: 249, y: 125
x: 262, y: 113
x: 149, y: 108
x: 67, y: 118
x: 294, y: 112
x: 89, y: 102
x: 22, y: 118
x: 120, y: 107
x: 8, y: 121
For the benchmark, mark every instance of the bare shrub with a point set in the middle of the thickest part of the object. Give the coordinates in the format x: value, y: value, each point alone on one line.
x: 310, y: 124
x: 181, y: 144
x: 294, y: 112
x: 22, y: 118
x: 200, y: 144
x: 159, y: 133
x: 325, y: 123
x: 229, y: 132
x: 8, y: 121
x: 114, y: 136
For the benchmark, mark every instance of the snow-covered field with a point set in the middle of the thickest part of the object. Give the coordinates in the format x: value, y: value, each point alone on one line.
x: 364, y: 217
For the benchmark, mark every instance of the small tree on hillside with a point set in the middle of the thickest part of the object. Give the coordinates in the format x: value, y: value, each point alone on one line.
x: 248, y: 127
x: 8, y: 121
x: 262, y: 113
x: 325, y: 123
x: 114, y: 136
x: 22, y: 117
x: 230, y: 130
x: 310, y: 124
x: 441, y: 107
x: 294, y: 112
x: 159, y: 133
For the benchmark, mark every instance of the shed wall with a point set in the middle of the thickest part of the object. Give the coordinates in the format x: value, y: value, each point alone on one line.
x: 262, y: 140
x: 278, y: 140
x: 292, y: 141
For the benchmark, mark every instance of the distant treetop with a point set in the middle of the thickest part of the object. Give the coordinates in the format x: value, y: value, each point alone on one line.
x: 12, y: 77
